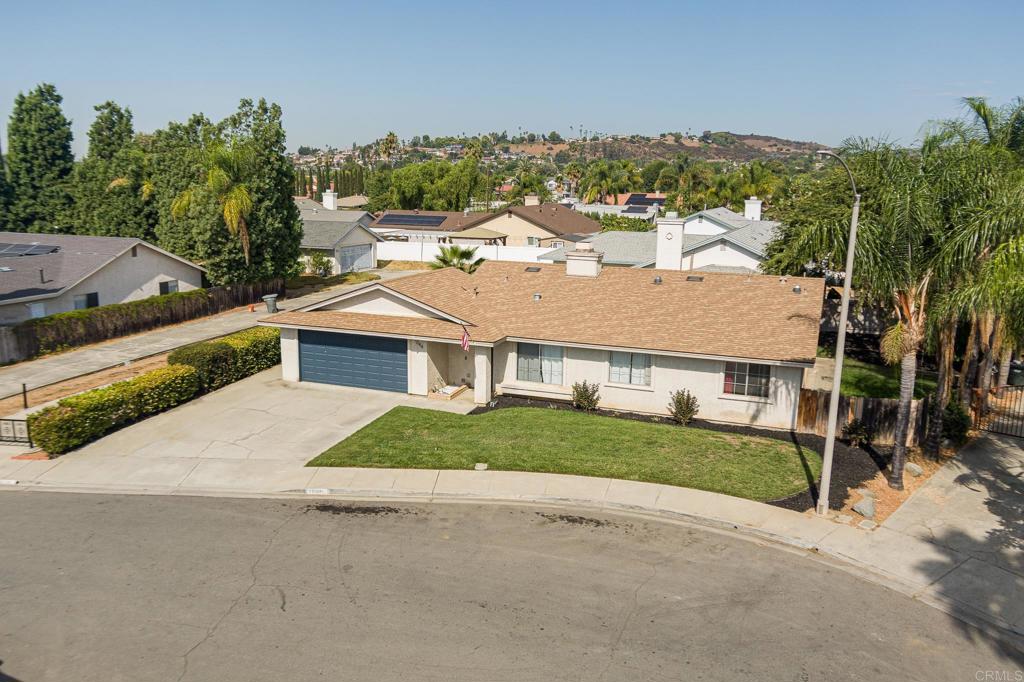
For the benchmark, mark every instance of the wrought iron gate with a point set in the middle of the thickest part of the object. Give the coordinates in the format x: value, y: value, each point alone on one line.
x: 1005, y: 412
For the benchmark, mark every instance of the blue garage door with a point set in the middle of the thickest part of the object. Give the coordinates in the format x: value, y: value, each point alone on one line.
x: 352, y: 360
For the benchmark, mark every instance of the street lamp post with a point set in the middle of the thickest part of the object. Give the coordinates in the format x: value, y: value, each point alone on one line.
x: 837, y: 379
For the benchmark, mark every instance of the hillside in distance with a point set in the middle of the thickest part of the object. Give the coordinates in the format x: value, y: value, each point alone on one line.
x: 711, y: 146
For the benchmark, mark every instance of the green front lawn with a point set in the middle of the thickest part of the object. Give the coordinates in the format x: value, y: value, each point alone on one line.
x: 864, y: 380
x: 564, y: 442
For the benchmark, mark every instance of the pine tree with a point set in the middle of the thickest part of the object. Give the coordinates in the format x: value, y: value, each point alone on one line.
x: 111, y: 189
x: 5, y: 191
x: 39, y: 161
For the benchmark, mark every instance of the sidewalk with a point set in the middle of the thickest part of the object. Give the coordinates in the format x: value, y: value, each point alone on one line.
x: 63, y: 366
x: 972, y: 572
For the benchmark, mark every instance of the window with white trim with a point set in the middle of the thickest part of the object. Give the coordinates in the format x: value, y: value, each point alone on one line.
x: 746, y: 378
x: 629, y: 368
x: 533, y: 241
x: 83, y: 301
x: 169, y: 286
x: 539, y: 364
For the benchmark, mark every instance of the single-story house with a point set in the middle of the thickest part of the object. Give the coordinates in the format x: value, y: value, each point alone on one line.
x: 45, y: 274
x: 343, y: 236
x: 551, y: 225
x: 739, y: 343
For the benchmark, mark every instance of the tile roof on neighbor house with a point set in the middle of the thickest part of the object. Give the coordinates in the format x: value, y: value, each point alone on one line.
x: 353, y: 201
x: 72, y: 259
x: 730, y: 219
x: 719, y: 315
x: 325, y: 234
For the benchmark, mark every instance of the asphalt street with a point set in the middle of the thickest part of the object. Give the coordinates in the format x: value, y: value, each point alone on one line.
x: 104, y: 587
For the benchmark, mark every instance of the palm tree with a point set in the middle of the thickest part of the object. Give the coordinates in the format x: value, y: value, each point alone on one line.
x: 459, y: 257
x: 389, y: 146
x: 225, y: 168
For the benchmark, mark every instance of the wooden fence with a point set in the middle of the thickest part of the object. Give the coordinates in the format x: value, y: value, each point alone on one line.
x: 879, y: 414
x: 63, y: 330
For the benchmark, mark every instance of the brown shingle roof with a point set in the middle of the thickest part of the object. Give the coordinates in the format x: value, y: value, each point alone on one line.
x: 741, y: 316
x: 555, y: 218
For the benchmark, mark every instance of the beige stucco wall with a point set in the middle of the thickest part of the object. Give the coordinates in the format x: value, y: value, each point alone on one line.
x: 378, y: 302
x: 715, y: 254
x: 516, y: 228
x: 703, y: 378
x: 126, y: 278
x: 437, y: 365
x: 460, y: 365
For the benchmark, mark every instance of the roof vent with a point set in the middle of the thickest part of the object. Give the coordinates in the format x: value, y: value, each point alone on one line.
x: 657, y: 279
x: 533, y: 268
x: 536, y: 297
x: 797, y: 289
x: 694, y: 278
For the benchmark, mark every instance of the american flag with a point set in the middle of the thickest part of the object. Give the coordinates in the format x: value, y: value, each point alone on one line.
x: 465, y: 339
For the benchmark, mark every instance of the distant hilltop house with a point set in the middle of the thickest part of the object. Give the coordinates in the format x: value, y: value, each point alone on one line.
x: 342, y: 236
x: 713, y: 240
x: 45, y: 274
x: 542, y: 225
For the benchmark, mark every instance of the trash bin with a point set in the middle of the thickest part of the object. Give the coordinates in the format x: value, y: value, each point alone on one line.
x: 271, y: 301
x: 1016, y: 377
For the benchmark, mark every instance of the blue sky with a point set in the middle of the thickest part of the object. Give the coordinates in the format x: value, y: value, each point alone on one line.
x: 345, y: 72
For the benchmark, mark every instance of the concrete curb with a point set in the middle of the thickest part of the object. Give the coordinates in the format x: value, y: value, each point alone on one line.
x: 842, y: 547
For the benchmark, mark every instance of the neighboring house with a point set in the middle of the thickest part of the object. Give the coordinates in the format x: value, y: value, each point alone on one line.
x: 44, y: 274
x: 536, y: 225
x: 636, y: 199
x: 342, y: 236
x: 353, y: 201
x: 550, y: 224
x: 647, y: 213
x: 739, y: 343
x: 714, y: 239
x: 422, y: 226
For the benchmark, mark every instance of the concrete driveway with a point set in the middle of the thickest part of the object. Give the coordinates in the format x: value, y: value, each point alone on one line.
x: 258, y: 427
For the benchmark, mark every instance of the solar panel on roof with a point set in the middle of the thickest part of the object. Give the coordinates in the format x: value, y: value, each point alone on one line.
x: 9, y: 250
x: 412, y: 220
x: 635, y: 209
x: 644, y: 200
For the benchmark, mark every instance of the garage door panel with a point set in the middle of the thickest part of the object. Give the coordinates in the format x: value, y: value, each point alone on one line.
x: 359, y: 257
x: 353, y: 360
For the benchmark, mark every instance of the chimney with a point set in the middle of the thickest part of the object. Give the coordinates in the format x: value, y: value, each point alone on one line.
x: 330, y: 200
x: 531, y: 200
x: 752, y: 208
x: 583, y: 261
x: 669, y: 244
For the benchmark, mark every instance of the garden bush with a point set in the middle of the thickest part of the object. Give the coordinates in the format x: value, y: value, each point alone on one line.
x: 255, y: 349
x: 683, y: 406
x: 80, y: 419
x: 585, y: 396
x: 956, y: 422
x: 858, y: 432
x: 213, y: 360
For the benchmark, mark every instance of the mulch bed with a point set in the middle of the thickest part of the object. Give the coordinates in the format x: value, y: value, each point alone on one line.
x: 851, y: 467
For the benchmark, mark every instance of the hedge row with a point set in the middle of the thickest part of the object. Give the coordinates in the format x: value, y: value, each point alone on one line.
x: 80, y: 419
x: 192, y: 370
x: 73, y: 328
x: 232, y: 357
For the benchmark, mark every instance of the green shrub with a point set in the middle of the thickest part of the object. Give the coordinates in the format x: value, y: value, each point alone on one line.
x: 956, y: 422
x: 62, y: 330
x: 683, y: 406
x: 255, y: 349
x: 80, y: 419
x: 214, y: 360
x: 857, y: 432
x: 585, y: 396
x: 319, y: 264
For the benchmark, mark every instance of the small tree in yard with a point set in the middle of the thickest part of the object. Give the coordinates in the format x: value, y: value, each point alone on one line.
x: 683, y: 406
x: 585, y: 396
x: 319, y: 264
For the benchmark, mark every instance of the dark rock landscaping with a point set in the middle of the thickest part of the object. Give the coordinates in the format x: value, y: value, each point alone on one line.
x: 851, y: 467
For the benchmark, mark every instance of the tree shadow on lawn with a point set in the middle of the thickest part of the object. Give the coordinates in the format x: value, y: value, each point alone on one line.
x: 982, y: 573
